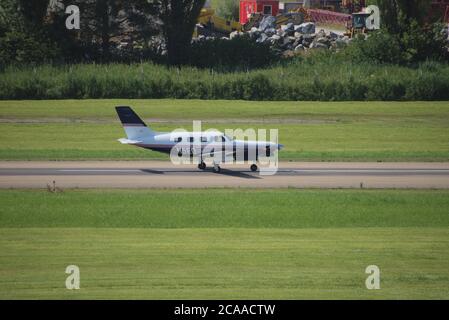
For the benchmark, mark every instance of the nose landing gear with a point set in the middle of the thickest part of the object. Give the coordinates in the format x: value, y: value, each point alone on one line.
x: 202, y: 166
x: 253, y: 168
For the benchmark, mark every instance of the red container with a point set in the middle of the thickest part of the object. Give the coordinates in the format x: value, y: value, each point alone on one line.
x: 260, y: 6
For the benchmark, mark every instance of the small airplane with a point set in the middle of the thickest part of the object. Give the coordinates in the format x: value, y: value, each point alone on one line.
x: 201, y: 145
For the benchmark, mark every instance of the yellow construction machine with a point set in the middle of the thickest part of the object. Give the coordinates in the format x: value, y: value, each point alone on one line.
x: 212, y: 22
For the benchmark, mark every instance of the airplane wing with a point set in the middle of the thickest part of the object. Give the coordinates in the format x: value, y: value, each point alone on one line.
x: 128, y: 141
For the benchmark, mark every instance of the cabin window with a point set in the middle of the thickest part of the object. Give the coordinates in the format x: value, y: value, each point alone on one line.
x: 190, y: 139
x: 267, y: 10
x: 203, y: 139
x: 219, y: 139
x: 178, y: 139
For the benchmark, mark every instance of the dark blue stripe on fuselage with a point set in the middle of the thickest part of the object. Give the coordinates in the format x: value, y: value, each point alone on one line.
x: 167, y: 149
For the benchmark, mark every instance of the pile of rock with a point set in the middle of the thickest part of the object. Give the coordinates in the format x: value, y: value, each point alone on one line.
x: 290, y: 38
x: 295, y: 38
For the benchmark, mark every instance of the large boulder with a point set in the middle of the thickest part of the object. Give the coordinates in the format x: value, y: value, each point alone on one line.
x: 318, y: 45
x: 274, y: 39
x: 286, y: 42
x: 296, y: 42
x: 299, y: 48
x: 288, y: 28
x: 267, y: 22
x: 307, y: 39
x: 334, y: 36
x: 234, y: 34
x: 254, y: 33
x: 305, y: 28
x: 270, y: 31
x: 280, y: 32
x: 262, y: 38
x: 323, y: 40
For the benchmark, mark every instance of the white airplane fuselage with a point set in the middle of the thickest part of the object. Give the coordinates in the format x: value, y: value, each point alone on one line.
x: 204, y: 146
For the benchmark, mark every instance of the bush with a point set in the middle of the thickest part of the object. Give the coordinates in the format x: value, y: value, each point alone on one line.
x: 239, y: 53
x: 24, y: 48
x: 420, y: 44
x: 380, y: 47
x: 416, y: 44
x: 314, y: 78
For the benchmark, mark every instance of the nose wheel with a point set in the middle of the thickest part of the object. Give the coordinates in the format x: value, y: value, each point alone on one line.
x: 253, y: 168
x: 202, y: 166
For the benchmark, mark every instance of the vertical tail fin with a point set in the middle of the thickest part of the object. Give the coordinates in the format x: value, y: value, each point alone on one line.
x: 134, y: 127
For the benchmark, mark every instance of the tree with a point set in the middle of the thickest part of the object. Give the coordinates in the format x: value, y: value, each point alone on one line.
x: 8, y: 15
x: 34, y: 11
x: 101, y: 20
x: 228, y: 9
x: 179, y: 18
x: 23, y: 36
x: 408, y: 29
x: 104, y: 22
x: 142, y: 18
x: 397, y: 15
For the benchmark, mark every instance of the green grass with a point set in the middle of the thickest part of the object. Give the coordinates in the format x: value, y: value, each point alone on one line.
x: 323, y: 76
x: 375, y: 131
x: 225, y: 208
x: 250, y: 244
x: 102, y: 109
x: 224, y: 263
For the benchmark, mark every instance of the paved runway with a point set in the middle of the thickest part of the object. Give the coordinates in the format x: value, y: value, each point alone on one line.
x: 157, y: 174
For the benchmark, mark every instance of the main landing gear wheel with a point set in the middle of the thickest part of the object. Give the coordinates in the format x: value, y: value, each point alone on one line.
x: 253, y: 168
x: 202, y: 166
x: 217, y: 169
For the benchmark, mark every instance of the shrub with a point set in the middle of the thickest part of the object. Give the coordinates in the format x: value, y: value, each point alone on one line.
x: 415, y: 44
x: 24, y: 48
x: 239, y: 53
x: 420, y: 44
x: 379, y: 47
x: 316, y: 78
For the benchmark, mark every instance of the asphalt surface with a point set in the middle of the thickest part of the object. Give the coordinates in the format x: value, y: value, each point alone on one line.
x: 157, y: 174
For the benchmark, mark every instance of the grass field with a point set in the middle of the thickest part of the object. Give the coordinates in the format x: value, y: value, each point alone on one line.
x: 155, y: 244
x: 371, y: 131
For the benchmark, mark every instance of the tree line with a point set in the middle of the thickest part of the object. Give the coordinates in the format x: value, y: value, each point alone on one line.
x: 161, y: 31
x: 34, y: 31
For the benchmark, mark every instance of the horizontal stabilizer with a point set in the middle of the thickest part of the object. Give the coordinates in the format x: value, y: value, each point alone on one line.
x: 128, y: 141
